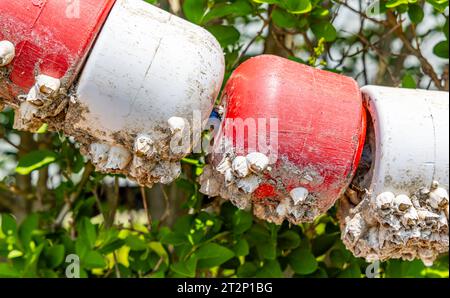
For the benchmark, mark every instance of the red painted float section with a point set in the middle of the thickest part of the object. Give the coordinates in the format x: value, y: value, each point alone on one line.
x: 51, y: 37
x: 321, y: 121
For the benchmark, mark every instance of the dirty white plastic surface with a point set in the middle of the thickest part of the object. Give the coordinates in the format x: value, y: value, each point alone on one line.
x: 148, y: 73
x: 404, y: 213
x: 412, y: 138
x: 146, y: 67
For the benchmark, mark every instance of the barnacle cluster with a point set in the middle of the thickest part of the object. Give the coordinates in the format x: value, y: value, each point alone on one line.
x: 406, y: 226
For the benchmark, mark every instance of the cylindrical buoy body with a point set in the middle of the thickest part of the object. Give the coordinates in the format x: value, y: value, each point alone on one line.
x: 50, y: 38
x: 404, y: 208
x: 143, y: 96
x: 305, y: 125
x: 149, y: 75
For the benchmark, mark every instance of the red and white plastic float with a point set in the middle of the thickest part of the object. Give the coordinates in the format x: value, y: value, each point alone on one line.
x: 43, y: 44
x: 290, y: 140
x: 151, y: 78
x: 398, y: 204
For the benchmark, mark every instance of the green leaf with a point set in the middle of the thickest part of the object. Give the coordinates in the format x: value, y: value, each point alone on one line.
x: 42, y: 129
x: 270, y: 269
x: 93, y: 260
x: 87, y: 231
x: 112, y: 246
x: 320, y: 12
x: 241, y: 221
x: 7, y: 271
x: 415, y: 13
x: 297, y: 6
x: 321, y: 244
x: 212, y: 255
x: 324, y: 30
x: 266, y: 246
x: 15, y: 254
x: 159, y: 249
x: 55, y: 255
x: 136, y: 243
x: 397, y: 268
x: 288, y: 240
x: 241, y: 248
x: 174, y: 238
x: 34, y: 161
x: 439, y: 5
x: 267, y: 1
x: 26, y: 229
x: 186, y: 268
x: 441, y: 49
x: 283, y: 19
x: 8, y: 224
x: 408, y: 81
x: 353, y: 271
x: 194, y: 10
x: 235, y: 9
x: 338, y: 258
x: 303, y: 261
x: 395, y: 3
x: 247, y: 270
x: 226, y: 35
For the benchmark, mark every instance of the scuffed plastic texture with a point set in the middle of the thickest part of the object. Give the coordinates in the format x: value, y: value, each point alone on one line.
x: 321, y: 129
x: 147, y: 75
x: 49, y: 39
x: 404, y: 212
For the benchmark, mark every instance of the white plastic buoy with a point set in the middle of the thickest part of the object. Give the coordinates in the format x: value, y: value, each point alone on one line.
x: 411, y: 138
x: 404, y: 210
x: 148, y: 74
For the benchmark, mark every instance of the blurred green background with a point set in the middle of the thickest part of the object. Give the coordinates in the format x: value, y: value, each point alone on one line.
x: 53, y: 204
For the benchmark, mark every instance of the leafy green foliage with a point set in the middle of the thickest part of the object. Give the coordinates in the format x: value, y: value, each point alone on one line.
x: 76, y: 216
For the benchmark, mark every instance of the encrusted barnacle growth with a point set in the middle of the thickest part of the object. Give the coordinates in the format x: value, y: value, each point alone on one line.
x: 397, y: 205
x: 267, y: 158
x: 135, y: 111
x: 402, y: 226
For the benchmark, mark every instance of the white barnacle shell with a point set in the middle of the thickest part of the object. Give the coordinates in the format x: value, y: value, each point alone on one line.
x: 434, y: 185
x: 47, y: 85
x: 224, y: 165
x: 438, y: 198
x: 144, y: 146
x: 176, y: 124
x: 384, y: 200
x: 248, y: 184
x: 299, y: 194
x: 410, y: 216
x: 424, y: 191
x: 229, y: 177
x: 258, y: 161
x: 402, y: 202
x: 99, y: 153
x: 7, y: 52
x: 283, y: 207
x: 34, y: 97
x: 426, y: 215
x: 240, y: 166
x: 118, y: 158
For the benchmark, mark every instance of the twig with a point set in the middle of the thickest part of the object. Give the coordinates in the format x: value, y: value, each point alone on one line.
x: 259, y: 34
x: 147, y: 212
x: 114, y: 204
x: 425, y: 64
x: 166, y: 213
x: 88, y: 170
